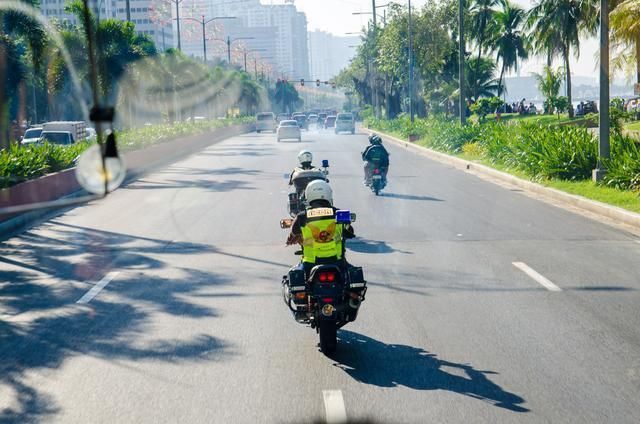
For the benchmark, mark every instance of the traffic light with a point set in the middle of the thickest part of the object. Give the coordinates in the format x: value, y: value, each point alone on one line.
x: 302, y: 82
x: 318, y: 83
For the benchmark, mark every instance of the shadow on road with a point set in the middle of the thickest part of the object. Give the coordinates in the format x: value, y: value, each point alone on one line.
x: 370, y: 361
x: 410, y: 197
x: 210, y: 185
x: 362, y: 245
x: 46, y: 270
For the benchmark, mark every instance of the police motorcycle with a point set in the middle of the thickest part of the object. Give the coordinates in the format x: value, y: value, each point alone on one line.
x: 300, y: 179
x: 330, y: 297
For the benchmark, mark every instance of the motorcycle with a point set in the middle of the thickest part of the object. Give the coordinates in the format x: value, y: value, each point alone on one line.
x: 377, y: 181
x: 329, y: 298
x: 297, y: 201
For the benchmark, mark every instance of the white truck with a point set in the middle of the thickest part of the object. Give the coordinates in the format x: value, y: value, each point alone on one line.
x: 77, y: 129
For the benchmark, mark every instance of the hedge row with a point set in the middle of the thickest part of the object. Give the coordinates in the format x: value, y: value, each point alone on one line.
x: 20, y: 163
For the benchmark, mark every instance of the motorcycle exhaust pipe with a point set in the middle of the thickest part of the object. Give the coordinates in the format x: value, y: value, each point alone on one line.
x: 354, y: 303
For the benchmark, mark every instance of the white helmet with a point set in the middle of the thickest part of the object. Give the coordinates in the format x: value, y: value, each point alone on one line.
x: 305, y: 156
x: 319, y: 190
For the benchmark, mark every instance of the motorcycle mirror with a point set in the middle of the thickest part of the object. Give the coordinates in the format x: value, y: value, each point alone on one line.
x: 286, y: 223
x: 325, y: 163
x: 353, y: 217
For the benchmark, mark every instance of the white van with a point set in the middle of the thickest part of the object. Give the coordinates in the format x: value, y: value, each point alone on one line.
x: 266, y: 121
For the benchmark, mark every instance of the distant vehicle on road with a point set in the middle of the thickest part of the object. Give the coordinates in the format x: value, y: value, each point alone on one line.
x: 330, y: 122
x: 282, y: 117
x: 313, y: 120
x: 303, y: 123
x: 77, y: 129
x: 31, y: 136
x: 322, y: 116
x: 345, y: 123
x: 289, y: 129
x: 64, y: 138
x: 265, y: 121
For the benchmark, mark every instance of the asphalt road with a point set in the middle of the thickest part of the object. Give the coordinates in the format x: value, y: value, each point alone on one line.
x: 180, y: 317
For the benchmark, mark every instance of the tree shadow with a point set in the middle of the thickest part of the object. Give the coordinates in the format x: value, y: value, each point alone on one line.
x: 370, y: 361
x: 363, y: 245
x: 209, y: 185
x: 410, y: 197
x: 48, y: 267
x: 232, y: 170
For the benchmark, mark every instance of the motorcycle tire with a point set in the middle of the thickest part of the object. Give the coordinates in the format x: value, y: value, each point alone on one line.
x: 328, y: 337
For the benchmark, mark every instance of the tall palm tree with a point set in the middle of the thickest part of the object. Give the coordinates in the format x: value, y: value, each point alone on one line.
x: 625, y: 29
x: 559, y: 24
x: 510, y: 41
x: 481, y: 81
x: 549, y: 85
x: 482, y: 20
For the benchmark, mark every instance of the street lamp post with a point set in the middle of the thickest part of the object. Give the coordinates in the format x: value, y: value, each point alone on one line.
x: 603, y: 143
x: 204, y: 23
x: 177, y: 3
x: 246, y: 52
x: 463, y: 106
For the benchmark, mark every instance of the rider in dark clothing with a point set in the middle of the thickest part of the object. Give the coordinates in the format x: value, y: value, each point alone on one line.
x: 375, y: 156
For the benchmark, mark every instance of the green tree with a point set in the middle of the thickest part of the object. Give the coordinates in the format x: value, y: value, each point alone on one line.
x: 625, y: 33
x: 559, y: 25
x: 510, y: 41
x: 482, y: 25
x: 549, y: 85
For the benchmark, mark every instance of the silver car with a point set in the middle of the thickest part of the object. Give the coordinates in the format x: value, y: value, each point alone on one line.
x: 345, y: 123
x: 31, y: 136
x: 289, y: 129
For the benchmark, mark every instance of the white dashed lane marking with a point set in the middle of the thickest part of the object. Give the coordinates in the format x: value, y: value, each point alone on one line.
x: 97, y: 288
x: 334, y: 407
x: 541, y: 279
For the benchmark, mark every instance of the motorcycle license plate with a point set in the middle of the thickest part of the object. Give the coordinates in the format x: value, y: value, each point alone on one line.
x: 377, y: 177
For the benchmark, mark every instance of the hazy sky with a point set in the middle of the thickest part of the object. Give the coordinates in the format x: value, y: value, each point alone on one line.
x: 335, y: 16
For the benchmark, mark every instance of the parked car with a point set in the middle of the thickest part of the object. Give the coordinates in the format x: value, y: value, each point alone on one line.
x: 345, y: 123
x: 265, y: 121
x: 330, y: 122
x: 57, y: 137
x: 31, y: 136
x: 289, y: 129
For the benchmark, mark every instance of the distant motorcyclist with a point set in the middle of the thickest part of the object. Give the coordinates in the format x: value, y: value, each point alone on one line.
x: 375, y: 156
x: 316, y: 229
x: 305, y: 173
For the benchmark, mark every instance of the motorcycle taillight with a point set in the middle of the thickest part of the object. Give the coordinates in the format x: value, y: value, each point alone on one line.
x: 376, y: 171
x: 327, y: 277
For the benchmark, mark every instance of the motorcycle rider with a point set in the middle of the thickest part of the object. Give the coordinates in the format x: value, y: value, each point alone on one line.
x: 305, y: 158
x: 316, y: 229
x: 375, y: 156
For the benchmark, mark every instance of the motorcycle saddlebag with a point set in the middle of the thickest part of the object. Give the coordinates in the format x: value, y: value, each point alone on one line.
x: 296, y: 280
x: 356, y: 278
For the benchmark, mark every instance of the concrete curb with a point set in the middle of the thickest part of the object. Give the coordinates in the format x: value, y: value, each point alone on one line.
x: 139, y: 162
x: 598, y: 208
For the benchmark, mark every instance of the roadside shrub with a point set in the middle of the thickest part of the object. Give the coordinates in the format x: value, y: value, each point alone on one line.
x: 474, y: 149
x: 623, y: 169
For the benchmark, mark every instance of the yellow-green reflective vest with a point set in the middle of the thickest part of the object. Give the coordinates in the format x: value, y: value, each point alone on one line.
x: 321, y: 236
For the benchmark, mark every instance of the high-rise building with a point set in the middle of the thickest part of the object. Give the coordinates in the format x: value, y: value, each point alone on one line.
x: 151, y: 17
x: 329, y: 54
x: 279, y: 31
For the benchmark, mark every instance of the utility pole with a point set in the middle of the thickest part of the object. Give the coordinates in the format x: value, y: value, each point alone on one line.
x: 411, y: 114
x: 128, y: 6
x: 603, y: 144
x: 204, y: 41
x: 177, y: 3
x: 229, y: 50
x: 463, y: 106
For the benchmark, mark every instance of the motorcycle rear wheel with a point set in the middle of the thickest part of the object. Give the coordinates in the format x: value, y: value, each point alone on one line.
x: 328, y: 337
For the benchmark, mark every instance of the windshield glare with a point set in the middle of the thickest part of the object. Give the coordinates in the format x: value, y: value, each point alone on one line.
x: 305, y: 211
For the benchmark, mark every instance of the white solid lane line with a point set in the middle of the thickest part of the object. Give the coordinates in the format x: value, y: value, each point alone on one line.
x: 536, y: 276
x: 334, y: 407
x: 97, y: 288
